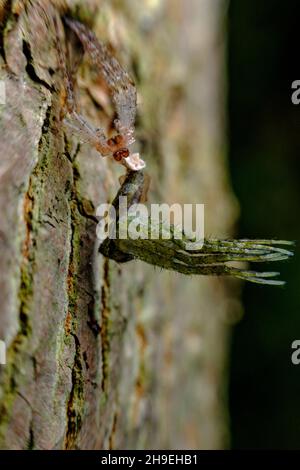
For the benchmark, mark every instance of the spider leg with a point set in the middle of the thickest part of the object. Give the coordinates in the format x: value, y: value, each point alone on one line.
x: 121, y: 86
x: 71, y: 118
x: 86, y: 132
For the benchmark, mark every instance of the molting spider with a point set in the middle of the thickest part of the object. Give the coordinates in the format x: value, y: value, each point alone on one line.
x: 168, y: 254
x: 123, y: 94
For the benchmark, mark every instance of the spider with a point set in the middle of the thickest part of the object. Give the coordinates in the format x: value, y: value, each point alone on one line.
x: 123, y: 94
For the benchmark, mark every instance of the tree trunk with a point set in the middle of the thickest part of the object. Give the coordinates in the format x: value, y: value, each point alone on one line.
x: 101, y: 355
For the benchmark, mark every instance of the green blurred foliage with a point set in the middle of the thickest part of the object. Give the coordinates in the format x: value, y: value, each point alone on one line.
x: 264, y: 156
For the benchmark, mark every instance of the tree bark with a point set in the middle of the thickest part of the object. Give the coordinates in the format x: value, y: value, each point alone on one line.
x: 101, y: 355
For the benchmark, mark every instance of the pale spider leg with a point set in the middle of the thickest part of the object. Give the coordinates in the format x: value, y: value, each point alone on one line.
x: 123, y: 94
x: 120, y: 84
x: 86, y: 132
x: 72, y: 119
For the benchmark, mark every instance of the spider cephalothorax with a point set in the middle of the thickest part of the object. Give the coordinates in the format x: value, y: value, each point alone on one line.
x: 121, y: 154
x: 117, y: 144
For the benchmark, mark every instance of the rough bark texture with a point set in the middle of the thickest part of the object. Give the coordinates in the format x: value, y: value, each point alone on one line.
x: 101, y: 355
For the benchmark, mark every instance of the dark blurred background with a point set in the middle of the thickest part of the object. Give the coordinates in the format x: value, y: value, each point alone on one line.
x: 263, y: 61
